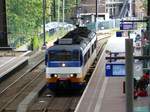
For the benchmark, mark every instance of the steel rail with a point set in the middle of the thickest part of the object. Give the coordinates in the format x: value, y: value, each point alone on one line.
x: 46, y: 108
x: 14, y: 97
x: 29, y: 70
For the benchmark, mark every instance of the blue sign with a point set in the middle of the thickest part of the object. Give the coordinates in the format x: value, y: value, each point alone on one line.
x: 127, y: 26
x: 115, y: 69
x: 118, y: 34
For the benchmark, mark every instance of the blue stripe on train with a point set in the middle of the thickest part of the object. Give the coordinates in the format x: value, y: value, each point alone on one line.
x: 67, y: 63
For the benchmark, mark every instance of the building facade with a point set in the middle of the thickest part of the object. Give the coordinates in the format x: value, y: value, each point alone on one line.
x: 89, y: 6
x: 87, y: 10
x: 113, y: 7
x: 140, y: 10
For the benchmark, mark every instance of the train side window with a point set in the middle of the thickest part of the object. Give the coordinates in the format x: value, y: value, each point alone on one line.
x: 85, y: 58
x: 88, y: 53
x: 95, y: 44
x: 93, y: 48
x: 81, y: 58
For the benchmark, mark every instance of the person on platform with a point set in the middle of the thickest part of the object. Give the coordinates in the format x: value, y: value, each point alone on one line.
x: 142, y: 85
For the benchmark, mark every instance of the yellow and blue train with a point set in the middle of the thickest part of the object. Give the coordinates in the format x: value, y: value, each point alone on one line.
x: 68, y: 60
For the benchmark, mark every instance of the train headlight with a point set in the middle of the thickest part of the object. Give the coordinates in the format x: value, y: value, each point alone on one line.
x: 71, y: 75
x: 55, y: 75
x: 63, y: 65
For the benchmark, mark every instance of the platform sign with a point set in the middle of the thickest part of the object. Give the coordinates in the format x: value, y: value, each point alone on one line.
x: 115, y: 70
x: 127, y: 26
x: 119, y: 34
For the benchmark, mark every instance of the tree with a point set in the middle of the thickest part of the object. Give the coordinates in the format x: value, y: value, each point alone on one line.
x: 145, y: 5
x: 24, y: 17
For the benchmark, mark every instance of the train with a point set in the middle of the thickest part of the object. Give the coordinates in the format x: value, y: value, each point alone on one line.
x: 69, y: 58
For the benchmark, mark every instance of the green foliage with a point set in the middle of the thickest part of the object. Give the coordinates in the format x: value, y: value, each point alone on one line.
x: 51, y: 38
x: 145, y: 4
x: 24, y: 17
x: 70, y: 7
x: 35, y: 43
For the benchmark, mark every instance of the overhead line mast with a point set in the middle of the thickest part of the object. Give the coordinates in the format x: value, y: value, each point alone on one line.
x: 148, y: 14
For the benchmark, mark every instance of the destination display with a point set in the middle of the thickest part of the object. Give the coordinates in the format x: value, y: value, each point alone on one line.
x: 127, y: 26
x: 118, y: 69
x: 114, y: 69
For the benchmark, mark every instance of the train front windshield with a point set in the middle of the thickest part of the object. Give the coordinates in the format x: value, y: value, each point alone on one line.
x: 64, y: 55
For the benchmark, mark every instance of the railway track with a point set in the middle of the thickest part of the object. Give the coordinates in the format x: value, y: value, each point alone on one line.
x: 51, y: 102
x: 33, y: 61
x: 15, y: 88
x: 55, y: 103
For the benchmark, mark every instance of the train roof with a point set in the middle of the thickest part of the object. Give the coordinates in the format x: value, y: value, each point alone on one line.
x: 75, y: 39
x: 77, y: 36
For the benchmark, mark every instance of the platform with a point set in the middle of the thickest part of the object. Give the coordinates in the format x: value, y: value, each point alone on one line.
x: 11, y: 63
x: 105, y: 94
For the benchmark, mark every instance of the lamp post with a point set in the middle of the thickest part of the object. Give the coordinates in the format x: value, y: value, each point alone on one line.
x: 96, y: 10
x: 63, y: 5
x: 77, y: 15
x: 58, y: 11
x: 44, y: 8
x: 130, y: 14
x: 54, y: 9
x: 148, y: 8
x: 96, y: 15
x: 148, y: 14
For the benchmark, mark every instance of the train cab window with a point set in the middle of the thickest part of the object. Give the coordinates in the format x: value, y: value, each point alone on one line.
x: 64, y: 55
x: 75, y: 55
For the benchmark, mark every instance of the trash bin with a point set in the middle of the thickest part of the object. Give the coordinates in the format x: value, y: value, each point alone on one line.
x: 124, y: 87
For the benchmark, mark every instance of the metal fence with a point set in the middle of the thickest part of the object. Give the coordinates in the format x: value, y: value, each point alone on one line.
x: 104, y: 24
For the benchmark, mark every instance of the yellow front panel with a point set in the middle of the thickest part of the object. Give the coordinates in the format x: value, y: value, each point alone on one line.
x: 52, y: 80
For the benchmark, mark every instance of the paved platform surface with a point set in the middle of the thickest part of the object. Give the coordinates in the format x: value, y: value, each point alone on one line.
x: 5, y: 60
x: 8, y: 63
x: 105, y: 94
x: 114, y: 99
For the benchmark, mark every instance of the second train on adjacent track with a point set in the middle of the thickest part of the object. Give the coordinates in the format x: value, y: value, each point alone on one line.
x: 69, y: 59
